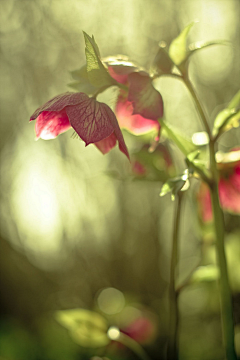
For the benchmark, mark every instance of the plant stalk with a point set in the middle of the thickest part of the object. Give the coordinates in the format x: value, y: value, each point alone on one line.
x: 225, y: 291
x: 172, y: 349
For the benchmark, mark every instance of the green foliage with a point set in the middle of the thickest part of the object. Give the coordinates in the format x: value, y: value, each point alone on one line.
x: 97, y: 73
x: 178, y: 50
x: 228, y: 118
x: 184, y: 144
x: 87, y: 328
x: 205, y: 274
x: 197, y: 164
x: 204, y: 44
x: 174, y: 185
x: 81, y: 82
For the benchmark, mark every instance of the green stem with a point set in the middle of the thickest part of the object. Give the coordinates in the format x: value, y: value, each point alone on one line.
x: 198, y: 105
x: 172, y: 349
x: 225, y: 291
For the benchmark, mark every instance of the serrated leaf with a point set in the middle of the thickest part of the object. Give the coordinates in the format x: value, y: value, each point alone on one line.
x: 87, y: 328
x: 205, y: 274
x: 178, y: 50
x: 97, y: 73
x: 175, y: 185
x: 184, y: 144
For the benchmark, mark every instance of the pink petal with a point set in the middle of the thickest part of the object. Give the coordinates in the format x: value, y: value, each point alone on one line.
x: 146, y: 100
x: 136, y: 124
x: 107, y: 144
x: 121, y: 78
x: 138, y: 168
x: 119, y: 67
x: 94, y: 121
x: 229, y: 195
x: 205, y: 205
x: 59, y: 102
x: 50, y: 124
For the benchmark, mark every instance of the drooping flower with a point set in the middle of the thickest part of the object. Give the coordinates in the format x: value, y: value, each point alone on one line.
x: 228, y: 187
x: 140, y: 105
x: 93, y: 121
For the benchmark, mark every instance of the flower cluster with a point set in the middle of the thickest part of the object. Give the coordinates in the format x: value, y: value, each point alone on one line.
x: 138, y: 108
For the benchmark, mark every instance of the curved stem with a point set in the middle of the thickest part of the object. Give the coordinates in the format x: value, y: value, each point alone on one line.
x: 225, y: 291
x: 172, y: 349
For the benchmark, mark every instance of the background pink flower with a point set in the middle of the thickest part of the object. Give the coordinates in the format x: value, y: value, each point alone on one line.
x: 229, y: 187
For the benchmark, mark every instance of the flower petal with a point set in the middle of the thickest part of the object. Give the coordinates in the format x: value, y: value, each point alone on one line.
x: 229, y: 192
x: 119, y: 67
x: 107, y: 144
x: 94, y: 121
x: 59, y: 102
x: 146, y: 100
x: 50, y: 124
x: 136, y: 124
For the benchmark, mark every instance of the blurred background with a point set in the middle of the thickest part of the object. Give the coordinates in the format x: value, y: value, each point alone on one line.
x: 74, y: 236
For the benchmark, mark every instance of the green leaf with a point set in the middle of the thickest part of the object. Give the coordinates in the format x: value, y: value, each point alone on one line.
x: 198, y: 165
x: 205, y: 274
x: 226, y: 120
x: 203, y: 44
x: 82, y: 83
x: 184, y: 144
x: 97, y: 73
x: 162, y: 64
x: 174, y: 185
x: 178, y: 50
x: 87, y: 328
x: 235, y: 102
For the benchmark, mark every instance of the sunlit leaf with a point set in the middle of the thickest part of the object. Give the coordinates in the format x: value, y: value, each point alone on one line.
x: 178, y: 50
x: 146, y: 100
x: 204, y: 44
x: 87, y: 328
x: 97, y: 73
x: 184, y: 144
x: 226, y: 120
x: 205, y: 274
x: 82, y: 83
x: 174, y: 185
x: 235, y: 102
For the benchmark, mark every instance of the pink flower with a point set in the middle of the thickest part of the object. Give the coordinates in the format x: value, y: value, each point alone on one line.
x: 94, y: 122
x: 139, y: 106
x: 142, y: 330
x: 135, y: 123
x: 228, y: 187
